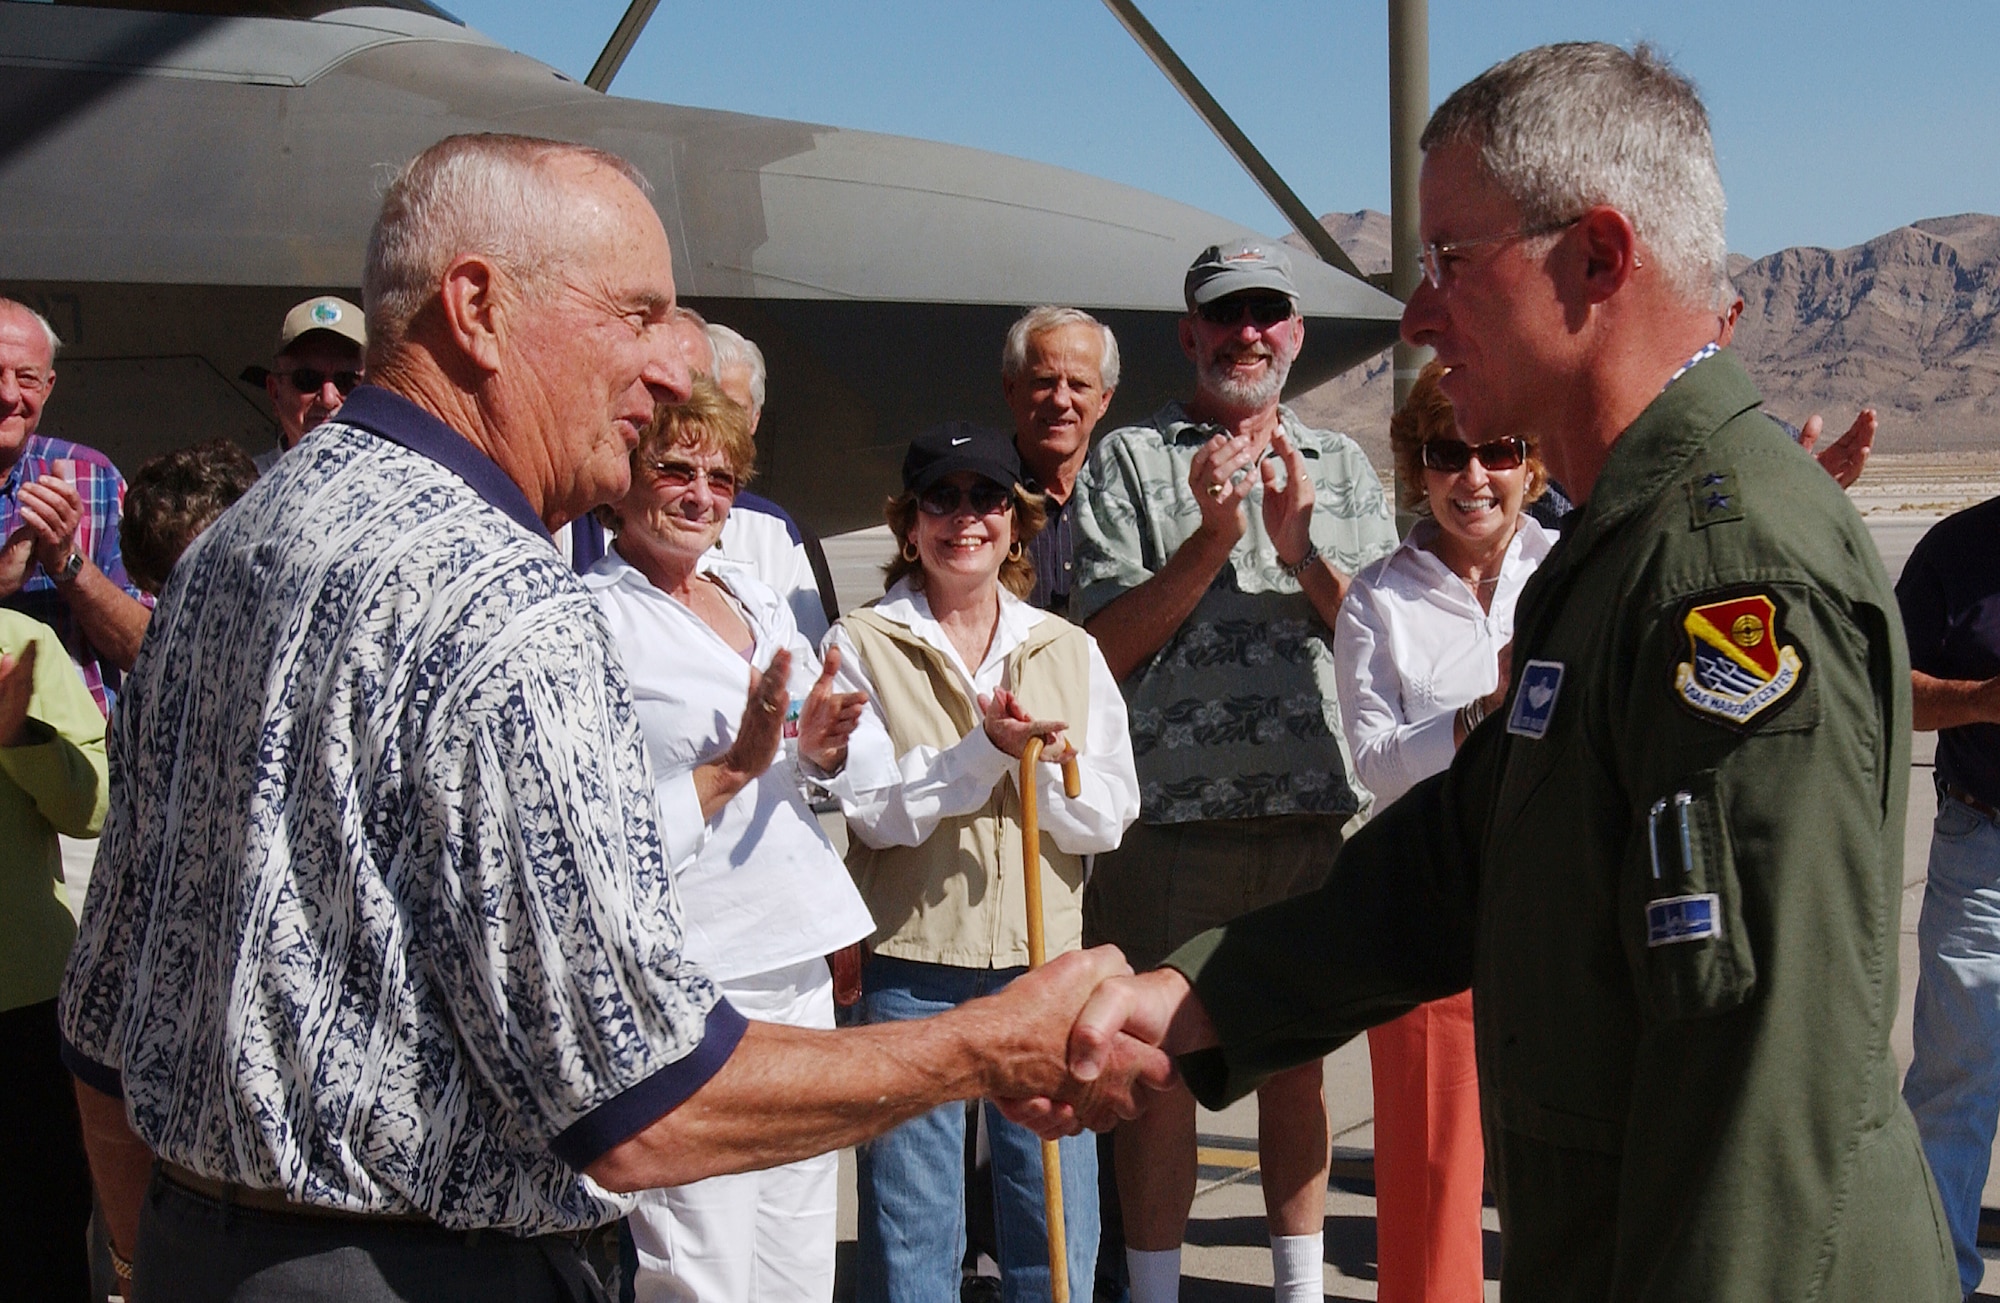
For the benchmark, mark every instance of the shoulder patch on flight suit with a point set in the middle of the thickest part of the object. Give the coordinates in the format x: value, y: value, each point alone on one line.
x: 1737, y: 666
x: 1712, y: 498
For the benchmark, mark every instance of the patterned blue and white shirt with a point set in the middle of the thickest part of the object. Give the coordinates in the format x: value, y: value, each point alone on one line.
x: 381, y: 918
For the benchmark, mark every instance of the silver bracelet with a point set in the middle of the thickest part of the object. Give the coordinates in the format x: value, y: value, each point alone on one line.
x: 1471, y: 713
x: 1297, y: 568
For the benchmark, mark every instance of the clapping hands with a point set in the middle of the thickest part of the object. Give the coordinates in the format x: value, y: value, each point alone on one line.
x: 51, y: 511
x: 762, y: 727
x: 1288, y: 498
x: 829, y: 718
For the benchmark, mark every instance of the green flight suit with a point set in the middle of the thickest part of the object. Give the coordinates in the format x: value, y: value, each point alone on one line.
x: 1683, y: 1037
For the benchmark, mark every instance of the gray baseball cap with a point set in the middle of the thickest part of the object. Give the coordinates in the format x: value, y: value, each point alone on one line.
x: 1239, y: 265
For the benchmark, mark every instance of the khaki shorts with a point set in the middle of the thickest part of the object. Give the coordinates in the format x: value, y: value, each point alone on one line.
x: 1168, y: 883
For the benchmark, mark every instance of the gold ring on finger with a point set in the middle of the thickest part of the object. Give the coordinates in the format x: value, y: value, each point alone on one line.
x: 1217, y: 490
x: 770, y: 706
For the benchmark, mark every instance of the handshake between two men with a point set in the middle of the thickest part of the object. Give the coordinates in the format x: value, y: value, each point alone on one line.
x: 1080, y: 1042
x: 1119, y: 1044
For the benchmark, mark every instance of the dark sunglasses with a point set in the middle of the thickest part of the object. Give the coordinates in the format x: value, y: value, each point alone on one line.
x: 680, y: 475
x: 1264, y: 311
x: 1451, y: 456
x: 986, y: 498
x: 306, y: 380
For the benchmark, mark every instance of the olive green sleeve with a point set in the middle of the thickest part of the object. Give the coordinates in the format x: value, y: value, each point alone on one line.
x: 1391, y: 928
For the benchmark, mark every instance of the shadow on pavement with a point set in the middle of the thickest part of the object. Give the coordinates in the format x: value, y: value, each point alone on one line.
x: 1350, y: 1248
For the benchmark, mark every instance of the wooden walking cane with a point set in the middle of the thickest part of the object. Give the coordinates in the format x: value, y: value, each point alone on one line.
x: 1031, y: 854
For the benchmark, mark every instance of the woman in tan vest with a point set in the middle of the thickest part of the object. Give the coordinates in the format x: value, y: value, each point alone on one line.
x: 960, y: 673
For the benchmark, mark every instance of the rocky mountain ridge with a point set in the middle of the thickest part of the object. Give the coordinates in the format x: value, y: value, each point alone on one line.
x: 1908, y: 322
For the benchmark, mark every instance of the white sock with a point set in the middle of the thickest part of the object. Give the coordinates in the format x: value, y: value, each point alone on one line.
x: 1297, y: 1271
x: 1155, y: 1273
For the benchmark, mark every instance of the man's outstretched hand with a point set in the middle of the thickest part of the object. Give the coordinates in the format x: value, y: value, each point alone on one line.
x: 1118, y: 1050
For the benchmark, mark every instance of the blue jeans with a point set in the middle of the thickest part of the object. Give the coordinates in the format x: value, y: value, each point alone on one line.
x: 912, y: 1180
x: 1953, y: 1086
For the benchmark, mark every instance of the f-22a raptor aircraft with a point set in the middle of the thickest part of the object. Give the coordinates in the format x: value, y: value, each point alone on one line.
x: 174, y: 174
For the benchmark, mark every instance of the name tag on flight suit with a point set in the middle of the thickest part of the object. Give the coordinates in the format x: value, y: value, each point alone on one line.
x: 1536, y: 701
x: 1683, y: 918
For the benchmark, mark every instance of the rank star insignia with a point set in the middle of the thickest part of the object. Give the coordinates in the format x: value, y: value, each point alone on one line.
x: 1736, y: 668
x: 1713, y: 499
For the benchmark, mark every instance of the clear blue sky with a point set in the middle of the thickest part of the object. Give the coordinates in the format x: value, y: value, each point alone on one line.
x: 1835, y: 120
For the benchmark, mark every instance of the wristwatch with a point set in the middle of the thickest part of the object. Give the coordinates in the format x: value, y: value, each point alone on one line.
x: 71, y: 567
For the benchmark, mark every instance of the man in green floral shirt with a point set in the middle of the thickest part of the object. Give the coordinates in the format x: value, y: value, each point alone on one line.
x: 1213, y: 547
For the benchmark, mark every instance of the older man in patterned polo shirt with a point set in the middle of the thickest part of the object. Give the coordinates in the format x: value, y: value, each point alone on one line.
x: 382, y: 960
x: 1213, y: 547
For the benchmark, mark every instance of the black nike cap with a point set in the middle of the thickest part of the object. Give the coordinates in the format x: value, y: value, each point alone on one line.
x: 960, y: 446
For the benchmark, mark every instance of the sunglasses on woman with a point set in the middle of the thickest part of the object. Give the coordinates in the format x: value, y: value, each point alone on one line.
x: 1450, y: 456
x: 986, y: 498
x: 680, y: 475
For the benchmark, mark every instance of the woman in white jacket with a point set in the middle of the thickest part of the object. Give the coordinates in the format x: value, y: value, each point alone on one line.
x: 726, y: 693
x: 959, y: 673
x: 1421, y: 646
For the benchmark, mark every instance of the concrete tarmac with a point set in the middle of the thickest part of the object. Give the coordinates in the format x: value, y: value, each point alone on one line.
x: 1227, y: 1258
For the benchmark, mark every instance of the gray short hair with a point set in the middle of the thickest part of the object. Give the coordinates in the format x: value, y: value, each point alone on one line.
x: 685, y: 315
x: 1563, y: 128
x: 490, y: 194
x: 732, y: 349
x: 1040, y: 321
x: 48, y: 331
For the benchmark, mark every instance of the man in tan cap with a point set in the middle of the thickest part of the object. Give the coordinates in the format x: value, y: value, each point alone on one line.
x: 1214, y: 542
x: 318, y: 363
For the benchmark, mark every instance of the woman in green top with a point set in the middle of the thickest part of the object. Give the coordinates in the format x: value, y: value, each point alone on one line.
x: 52, y: 780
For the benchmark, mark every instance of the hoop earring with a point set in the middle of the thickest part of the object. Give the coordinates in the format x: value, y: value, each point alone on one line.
x: 910, y: 552
x: 1014, y: 552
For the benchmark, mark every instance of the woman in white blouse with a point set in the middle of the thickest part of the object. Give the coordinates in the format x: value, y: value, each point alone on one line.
x: 1422, y: 646
x: 726, y: 691
x: 959, y: 673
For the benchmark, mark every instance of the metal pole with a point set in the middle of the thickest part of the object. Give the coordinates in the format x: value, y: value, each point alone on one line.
x: 1252, y: 160
x: 1409, y: 110
x: 623, y: 38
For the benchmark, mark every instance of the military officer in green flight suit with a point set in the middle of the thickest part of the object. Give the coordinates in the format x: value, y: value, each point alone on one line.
x: 1670, y: 867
